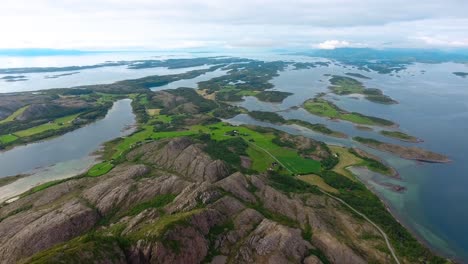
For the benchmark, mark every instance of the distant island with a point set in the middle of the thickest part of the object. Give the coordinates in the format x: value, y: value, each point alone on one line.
x: 310, y: 65
x: 342, y: 85
x: 461, y: 74
x: 400, y: 136
x: 14, y: 78
x: 358, y: 75
x: 135, y: 64
x: 59, y: 75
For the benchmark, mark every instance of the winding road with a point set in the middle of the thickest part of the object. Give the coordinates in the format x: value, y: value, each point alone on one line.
x: 384, y: 235
x: 387, y: 241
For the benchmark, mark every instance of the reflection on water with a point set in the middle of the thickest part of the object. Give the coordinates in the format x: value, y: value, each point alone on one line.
x: 66, y: 155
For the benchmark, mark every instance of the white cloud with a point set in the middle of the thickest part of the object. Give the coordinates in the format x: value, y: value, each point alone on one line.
x: 122, y: 24
x: 333, y: 44
x: 443, y: 42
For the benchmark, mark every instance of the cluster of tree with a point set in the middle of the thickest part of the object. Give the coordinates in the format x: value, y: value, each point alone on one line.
x: 226, y: 111
x: 228, y: 150
x: 251, y: 76
x: 267, y: 117
x: 272, y: 96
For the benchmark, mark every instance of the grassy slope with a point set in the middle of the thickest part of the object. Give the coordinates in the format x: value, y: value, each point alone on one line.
x: 8, y: 138
x: 14, y: 115
x: 56, y: 124
x: 261, y: 160
x: 288, y: 157
x: 317, y: 181
x: 346, y: 159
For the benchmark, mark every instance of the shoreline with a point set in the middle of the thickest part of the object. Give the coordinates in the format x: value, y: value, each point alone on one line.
x: 5, y: 181
x: 393, y: 172
x: 17, y: 194
x: 59, y: 133
x: 395, y: 214
x: 409, y: 153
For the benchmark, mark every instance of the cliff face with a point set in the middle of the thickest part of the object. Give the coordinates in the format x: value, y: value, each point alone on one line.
x: 171, y: 203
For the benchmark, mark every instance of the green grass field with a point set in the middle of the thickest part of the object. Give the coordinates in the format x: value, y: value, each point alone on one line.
x: 317, y: 181
x: 56, y: 124
x: 346, y: 85
x: 232, y: 88
x: 129, y: 141
x: 143, y: 100
x: 100, y: 169
x: 7, y: 138
x: 162, y: 118
x: 325, y: 108
x: 261, y: 160
x: 14, y: 115
x: 105, y: 98
x: 288, y: 157
x: 346, y: 160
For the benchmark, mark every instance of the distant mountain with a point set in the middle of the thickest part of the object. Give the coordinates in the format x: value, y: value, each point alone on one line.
x: 399, y: 55
x: 41, y: 52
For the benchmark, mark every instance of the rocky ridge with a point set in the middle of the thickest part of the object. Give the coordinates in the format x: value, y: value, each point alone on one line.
x: 171, y: 203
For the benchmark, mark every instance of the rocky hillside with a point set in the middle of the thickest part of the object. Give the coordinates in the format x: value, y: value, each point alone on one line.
x: 169, y: 202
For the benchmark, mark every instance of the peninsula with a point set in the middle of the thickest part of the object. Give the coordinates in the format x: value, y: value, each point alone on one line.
x: 412, y: 153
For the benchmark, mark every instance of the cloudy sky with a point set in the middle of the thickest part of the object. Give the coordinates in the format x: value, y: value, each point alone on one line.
x: 170, y: 24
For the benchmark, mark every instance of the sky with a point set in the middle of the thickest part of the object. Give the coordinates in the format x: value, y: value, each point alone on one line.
x: 175, y: 24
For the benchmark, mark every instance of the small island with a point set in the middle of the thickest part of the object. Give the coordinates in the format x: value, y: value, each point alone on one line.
x: 274, y: 118
x: 364, y: 128
x: 461, y: 74
x: 357, y: 75
x: 412, y: 153
x: 270, y: 117
x: 59, y: 75
x: 400, y: 136
x: 342, y: 85
x: 310, y: 65
x: 272, y: 96
x: 321, y: 107
x: 14, y: 78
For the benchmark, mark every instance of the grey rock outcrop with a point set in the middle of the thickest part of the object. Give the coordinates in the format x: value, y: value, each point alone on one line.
x: 184, y: 157
x: 215, y: 217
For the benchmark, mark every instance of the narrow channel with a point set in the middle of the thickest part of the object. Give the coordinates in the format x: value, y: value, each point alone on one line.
x: 64, y: 156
